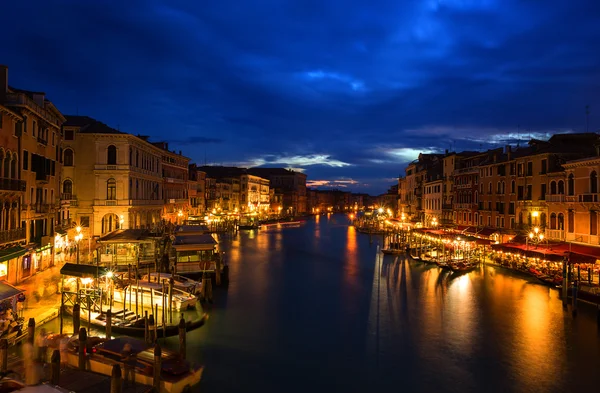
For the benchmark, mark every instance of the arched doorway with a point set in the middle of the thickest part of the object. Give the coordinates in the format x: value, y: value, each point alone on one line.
x: 110, y: 222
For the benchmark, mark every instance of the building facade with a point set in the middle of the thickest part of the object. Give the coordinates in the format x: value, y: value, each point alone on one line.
x: 175, y: 184
x: 111, y: 180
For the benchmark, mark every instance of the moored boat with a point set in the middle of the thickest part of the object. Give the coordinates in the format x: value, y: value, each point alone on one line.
x: 182, y: 283
x: 144, y: 292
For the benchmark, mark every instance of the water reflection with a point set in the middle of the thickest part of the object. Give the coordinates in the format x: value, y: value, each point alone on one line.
x: 318, y: 308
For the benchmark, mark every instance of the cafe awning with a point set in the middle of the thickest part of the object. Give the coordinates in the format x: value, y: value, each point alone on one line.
x: 82, y: 271
x: 11, y: 253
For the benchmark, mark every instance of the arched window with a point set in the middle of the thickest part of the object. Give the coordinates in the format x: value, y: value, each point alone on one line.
x: 67, y: 189
x: 14, y: 165
x: 553, y: 221
x: 111, y: 189
x: 520, y: 218
x: 111, y: 155
x: 593, y: 182
x: 553, y: 188
x: 543, y: 220
x: 529, y: 219
x: 561, y: 221
x: 476, y: 197
x: 6, y: 166
x: 68, y: 157
x: 512, y: 187
x: 571, y: 185
x: 561, y: 187
x: 489, y: 187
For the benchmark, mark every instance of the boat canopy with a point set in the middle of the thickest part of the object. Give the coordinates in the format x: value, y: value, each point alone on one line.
x: 7, y: 291
x: 74, y: 270
x: 128, y: 236
x: 194, y: 242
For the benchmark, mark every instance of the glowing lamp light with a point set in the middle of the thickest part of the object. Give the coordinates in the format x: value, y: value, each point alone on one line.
x: 380, y: 210
x: 78, y: 229
x: 531, y: 235
x: 535, y: 214
x: 109, y: 274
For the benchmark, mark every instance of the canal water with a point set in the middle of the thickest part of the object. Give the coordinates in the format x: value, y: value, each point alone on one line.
x: 316, y: 308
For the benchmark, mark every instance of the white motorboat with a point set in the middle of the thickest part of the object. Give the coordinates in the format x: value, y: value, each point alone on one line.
x: 183, y: 283
x: 146, y: 293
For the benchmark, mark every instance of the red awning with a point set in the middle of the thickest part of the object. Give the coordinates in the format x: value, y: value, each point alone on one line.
x: 550, y: 253
x: 487, y: 232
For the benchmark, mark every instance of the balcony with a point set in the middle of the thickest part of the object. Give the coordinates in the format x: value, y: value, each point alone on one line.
x: 42, y: 208
x: 66, y: 198
x: 447, y: 206
x: 128, y: 202
x: 555, y: 198
x: 12, y: 235
x: 42, y: 141
x: 42, y: 177
x: 589, y: 198
x: 473, y: 169
x: 464, y: 205
x: 12, y: 185
x: 555, y: 234
x: 463, y: 186
x: 174, y: 180
x: 571, y: 198
x: 104, y: 167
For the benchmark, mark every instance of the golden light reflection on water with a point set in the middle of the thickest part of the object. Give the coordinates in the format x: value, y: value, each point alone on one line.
x: 351, y: 263
x: 460, y: 314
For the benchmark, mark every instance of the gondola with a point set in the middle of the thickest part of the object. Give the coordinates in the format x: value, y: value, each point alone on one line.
x: 393, y: 251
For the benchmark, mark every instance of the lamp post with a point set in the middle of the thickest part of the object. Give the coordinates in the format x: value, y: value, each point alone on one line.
x: 78, y: 238
x: 535, y: 237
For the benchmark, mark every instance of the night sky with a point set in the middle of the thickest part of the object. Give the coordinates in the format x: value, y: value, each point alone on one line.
x: 347, y: 91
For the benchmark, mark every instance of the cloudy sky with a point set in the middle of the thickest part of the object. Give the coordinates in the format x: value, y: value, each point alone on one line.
x: 348, y: 91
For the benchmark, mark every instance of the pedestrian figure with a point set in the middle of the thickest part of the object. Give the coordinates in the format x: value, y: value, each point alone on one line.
x: 129, y: 362
x: 63, y: 347
x: 42, y: 345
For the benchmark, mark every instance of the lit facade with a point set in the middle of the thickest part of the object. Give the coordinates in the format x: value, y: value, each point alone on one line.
x: 110, y: 179
x: 36, y: 162
x: 175, y: 184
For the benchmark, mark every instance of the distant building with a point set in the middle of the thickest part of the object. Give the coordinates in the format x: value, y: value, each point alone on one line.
x: 175, y: 184
x: 289, y: 189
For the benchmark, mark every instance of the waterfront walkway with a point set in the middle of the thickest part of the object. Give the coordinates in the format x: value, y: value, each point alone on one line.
x: 42, y: 296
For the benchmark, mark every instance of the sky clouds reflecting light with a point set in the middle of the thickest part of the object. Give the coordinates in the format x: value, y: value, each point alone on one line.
x: 342, y: 89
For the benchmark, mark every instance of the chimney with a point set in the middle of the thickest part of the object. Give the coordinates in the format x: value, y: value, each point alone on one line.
x: 179, y: 152
x: 446, y: 151
x: 3, y: 80
x: 508, y: 151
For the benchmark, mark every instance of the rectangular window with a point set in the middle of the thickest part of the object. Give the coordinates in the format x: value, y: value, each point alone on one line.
x: 520, y: 193
x: 530, y: 168
x: 25, y: 124
x: 497, y: 221
x: 489, y: 221
x: 25, y: 160
x: 529, y: 192
x: 84, y: 221
x: 512, y: 223
x: 571, y: 221
x: 33, y: 128
x: 544, y: 167
x: 0, y: 120
x: 69, y: 135
x: 53, y: 138
x: 593, y: 223
x: 543, y: 194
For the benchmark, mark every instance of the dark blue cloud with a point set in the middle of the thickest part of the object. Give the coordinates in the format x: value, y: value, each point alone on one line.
x: 343, y: 89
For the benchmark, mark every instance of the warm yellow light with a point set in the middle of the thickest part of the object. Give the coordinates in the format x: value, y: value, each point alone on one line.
x: 531, y: 235
x: 109, y: 274
x: 380, y: 210
x: 535, y: 214
x: 536, y: 229
x: 78, y: 229
x: 541, y: 236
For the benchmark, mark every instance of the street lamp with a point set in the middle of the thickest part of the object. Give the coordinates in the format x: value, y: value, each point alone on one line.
x: 434, y: 222
x: 535, y: 237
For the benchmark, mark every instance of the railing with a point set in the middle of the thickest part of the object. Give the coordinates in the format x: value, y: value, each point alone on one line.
x: 446, y: 206
x: 555, y: 234
x: 12, y: 184
x: 42, y: 141
x: 571, y: 198
x: 588, y: 198
x: 42, y: 177
x: 12, y: 235
x: 21, y: 99
x: 464, y: 205
x: 174, y: 180
x: 555, y: 198
x: 461, y: 186
x: 42, y: 208
x: 127, y: 202
x: 472, y: 169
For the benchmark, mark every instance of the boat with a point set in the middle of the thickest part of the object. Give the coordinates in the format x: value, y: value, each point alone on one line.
x: 177, y: 375
x: 462, y: 267
x: 393, y: 251
x: 144, y: 292
x: 126, y: 322
x: 182, y: 283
